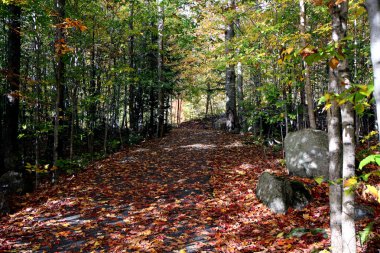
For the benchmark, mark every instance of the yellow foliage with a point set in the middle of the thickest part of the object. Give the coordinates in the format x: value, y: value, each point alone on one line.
x: 350, y: 182
x: 373, y: 191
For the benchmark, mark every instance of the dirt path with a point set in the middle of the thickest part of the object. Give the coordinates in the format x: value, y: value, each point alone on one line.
x: 192, y: 191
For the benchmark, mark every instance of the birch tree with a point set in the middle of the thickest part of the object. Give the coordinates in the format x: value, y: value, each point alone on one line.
x: 341, y: 140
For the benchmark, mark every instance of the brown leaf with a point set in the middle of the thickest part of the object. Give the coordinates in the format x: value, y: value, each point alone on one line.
x: 334, y: 62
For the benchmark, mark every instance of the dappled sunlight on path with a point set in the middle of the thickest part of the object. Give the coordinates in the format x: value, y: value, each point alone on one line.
x: 192, y: 191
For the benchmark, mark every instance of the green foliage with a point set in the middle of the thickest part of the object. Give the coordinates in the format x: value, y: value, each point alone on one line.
x: 319, y: 180
x: 299, y: 232
x: 370, y: 159
x: 365, y: 176
x: 135, y: 138
x: 365, y: 234
x: 357, y: 94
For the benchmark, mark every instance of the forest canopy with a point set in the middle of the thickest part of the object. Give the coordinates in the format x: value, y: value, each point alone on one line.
x: 83, y: 79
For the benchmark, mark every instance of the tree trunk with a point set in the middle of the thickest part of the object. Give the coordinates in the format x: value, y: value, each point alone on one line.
x: 342, y: 211
x: 208, y: 98
x: 230, y: 87
x: 37, y: 90
x: 11, y: 98
x: 308, y: 88
x: 240, y: 96
x: 140, y: 108
x: 60, y: 40
x: 335, y: 165
x: 240, y: 90
x: 348, y: 140
x: 132, y: 87
x: 373, y: 9
x: 161, y: 96
x: 152, y: 115
x: 335, y: 149
x: 285, y: 108
x: 93, y: 94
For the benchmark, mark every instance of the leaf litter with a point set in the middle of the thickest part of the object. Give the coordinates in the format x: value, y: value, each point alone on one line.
x: 191, y: 191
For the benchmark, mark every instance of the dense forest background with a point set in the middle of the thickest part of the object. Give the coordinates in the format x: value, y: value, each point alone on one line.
x: 82, y: 79
x: 121, y: 71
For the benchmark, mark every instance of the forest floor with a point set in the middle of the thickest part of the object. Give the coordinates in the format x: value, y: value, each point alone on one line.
x: 192, y: 191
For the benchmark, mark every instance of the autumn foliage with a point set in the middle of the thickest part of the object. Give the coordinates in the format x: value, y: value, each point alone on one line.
x: 192, y: 191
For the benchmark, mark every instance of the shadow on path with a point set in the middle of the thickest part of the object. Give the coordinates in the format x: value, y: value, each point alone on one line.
x: 192, y: 191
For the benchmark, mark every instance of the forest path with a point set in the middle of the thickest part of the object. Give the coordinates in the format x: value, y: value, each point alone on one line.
x: 191, y: 191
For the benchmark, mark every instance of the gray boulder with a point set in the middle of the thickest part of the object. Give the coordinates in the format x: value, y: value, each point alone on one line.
x: 363, y: 212
x: 280, y: 193
x: 220, y: 124
x: 307, y: 153
x: 4, y: 208
x: 10, y: 182
x: 13, y: 182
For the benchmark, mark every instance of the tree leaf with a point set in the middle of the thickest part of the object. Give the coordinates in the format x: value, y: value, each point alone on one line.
x: 319, y: 180
x: 350, y: 182
x: 364, y: 235
x: 334, y: 63
x: 372, y: 190
x: 369, y: 159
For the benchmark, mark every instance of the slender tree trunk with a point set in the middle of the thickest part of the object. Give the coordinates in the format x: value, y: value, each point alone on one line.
x: 286, y: 117
x: 11, y: 99
x: 107, y: 111
x: 124, y: 124
x: 37, y: 90
x: 132, y: 88
x: 179, y: 110
x: 335, y: 151
x: 73, y: 117
x: 308, y: 88
x: 335, y: 165
x: 240, y: 95
x: 240, y: 90
x: 60, y: 40
x: 152, y: 115
x: 231, y: 114
x: 341, y: 205
x: 140, y: 108
x: 373, y: 9
x: 93, y: 94
x: 348, y: 140
x: 208, y: 98
x: 161, y: 96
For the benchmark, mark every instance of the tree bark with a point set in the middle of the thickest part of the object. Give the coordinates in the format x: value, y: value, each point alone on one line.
x: 335, y: 148
x: 60, y: 40
x: 240, y: 95
x: 208, y: 98
x: 306, y: 76
x: 93, y: 93
x: 348, y: 139
x: 373, y: 9
x: 37, y: 90
x: 11, y: 97
x: 343, y: 236
x: 231, y: 113
x: 132, y: 86
x: 161, y: 96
